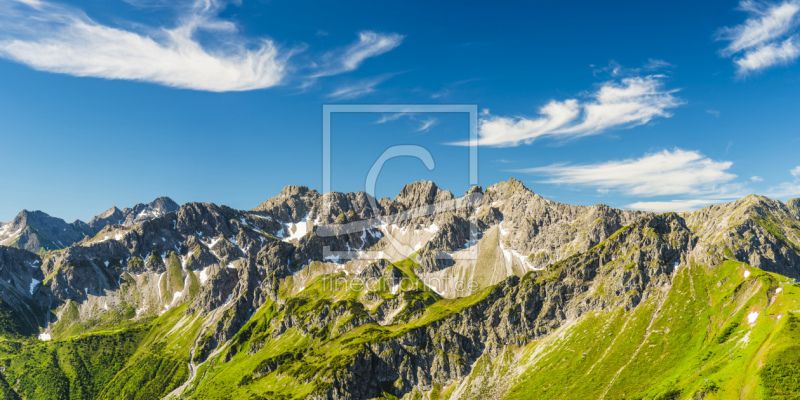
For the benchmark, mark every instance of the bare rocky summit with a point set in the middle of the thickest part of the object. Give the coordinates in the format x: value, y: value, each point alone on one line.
x: 37, y: 231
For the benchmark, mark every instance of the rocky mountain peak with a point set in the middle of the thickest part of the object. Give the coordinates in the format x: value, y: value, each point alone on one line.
x: 36, y: 230
x: 25, y: 217
x: 133, y: 215
x: 111, y: 216
x: 422, y: 193
x: 292, y: 204
x: 474, y: 189
x: 503, y: 190
x: 294, y: 191
x: 164, y: 204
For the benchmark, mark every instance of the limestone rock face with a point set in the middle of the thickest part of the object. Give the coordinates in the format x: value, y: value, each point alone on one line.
x: 794, y: 206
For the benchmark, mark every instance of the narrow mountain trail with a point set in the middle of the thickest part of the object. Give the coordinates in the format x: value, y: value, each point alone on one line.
x: 625, y: 325
x: 648, y: 331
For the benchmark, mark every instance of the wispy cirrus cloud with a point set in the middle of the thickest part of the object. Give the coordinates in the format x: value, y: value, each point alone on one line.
x: 668, y: 172
x: 787, y: 189
x: 683, y: 173
x: 62, y: 39
x: 769, y: 55
x: 767, y: 38
x: 617, y: 104
x: 358, y: 88
x: 673, y: 205
x: 353, y: 91
x: 369, y: 44
x: 424, y: 124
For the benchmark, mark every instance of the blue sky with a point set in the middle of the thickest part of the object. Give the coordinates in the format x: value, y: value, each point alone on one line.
x: 661, y: 106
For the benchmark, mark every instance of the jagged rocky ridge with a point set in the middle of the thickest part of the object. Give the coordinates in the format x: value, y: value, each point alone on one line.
x: 36, y: 231
x: 539, y: 266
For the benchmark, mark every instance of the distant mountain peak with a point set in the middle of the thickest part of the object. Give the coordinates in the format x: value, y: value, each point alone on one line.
x: 36, y: 230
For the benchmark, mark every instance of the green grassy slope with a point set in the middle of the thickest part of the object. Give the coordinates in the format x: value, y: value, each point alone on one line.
x: 696, y: 341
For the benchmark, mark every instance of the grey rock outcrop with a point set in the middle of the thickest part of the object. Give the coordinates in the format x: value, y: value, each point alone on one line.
x: 794, y: 206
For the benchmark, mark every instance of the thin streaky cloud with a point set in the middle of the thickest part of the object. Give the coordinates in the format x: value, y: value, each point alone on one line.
x: 388, y: 117
x: 665, y: 173
x: 369, y: 44
x: 359, y: 88
x: 755, y: 178
x: 673, y: 205
x: 426, y: 124
x: 787, y: 190
x: 353, y: 91
x: 617, y: 104
x: 768, y: 55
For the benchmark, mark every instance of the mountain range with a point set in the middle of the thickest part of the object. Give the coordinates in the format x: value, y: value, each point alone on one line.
x: 36, y: 231
x: 497, y: 294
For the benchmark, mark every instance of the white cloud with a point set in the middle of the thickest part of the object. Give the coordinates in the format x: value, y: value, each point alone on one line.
x: 756, y: 179
x: 766, y: 38
x: 369, y: 44
x: 787, y: 189
x: 360, y: 88
x: 425, y: 124
x: 388, y: 117
x: 677, y: 172
x: 64, y: 40
x: 616, y: 104
x: 768, y: 55
x: 767, y: 22
x: 673, y: 205
x: 353, y: 91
